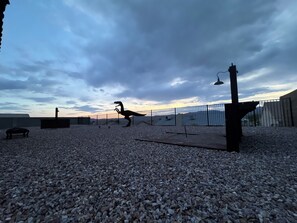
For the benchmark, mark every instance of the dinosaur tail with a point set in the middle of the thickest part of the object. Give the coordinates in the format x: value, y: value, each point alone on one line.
x: 137, y: 114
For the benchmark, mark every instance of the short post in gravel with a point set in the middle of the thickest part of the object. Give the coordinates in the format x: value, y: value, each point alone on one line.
x: 54, y: 123
x: 235, y: 111
x: 56, y: 113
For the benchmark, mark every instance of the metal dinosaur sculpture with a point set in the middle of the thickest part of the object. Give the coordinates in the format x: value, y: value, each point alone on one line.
x: 126, y: 113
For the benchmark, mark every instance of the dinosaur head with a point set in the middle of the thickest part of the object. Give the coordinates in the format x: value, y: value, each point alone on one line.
x: 118, y: 103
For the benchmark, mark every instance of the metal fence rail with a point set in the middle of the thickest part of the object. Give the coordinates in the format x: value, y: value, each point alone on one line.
x: 268, y: 113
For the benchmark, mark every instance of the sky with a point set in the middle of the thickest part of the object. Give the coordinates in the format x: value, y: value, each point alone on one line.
x: 82, y: 55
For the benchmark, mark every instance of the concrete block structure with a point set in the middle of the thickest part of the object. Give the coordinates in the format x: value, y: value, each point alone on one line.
x: 19, y: 120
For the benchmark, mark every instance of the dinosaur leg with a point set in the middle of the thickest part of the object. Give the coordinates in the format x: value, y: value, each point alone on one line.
x: 129, y: 119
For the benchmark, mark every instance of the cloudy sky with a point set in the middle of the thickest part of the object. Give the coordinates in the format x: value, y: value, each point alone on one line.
x: 81, y: 55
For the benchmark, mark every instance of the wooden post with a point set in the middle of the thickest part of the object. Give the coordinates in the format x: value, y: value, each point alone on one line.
x: 233, y: 83
x: 232, y: 133
x: 56, y: 113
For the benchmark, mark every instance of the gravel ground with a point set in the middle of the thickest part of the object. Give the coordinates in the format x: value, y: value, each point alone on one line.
x: 91, y: 174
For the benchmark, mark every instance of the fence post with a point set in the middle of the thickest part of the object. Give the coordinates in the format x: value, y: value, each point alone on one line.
x: 175, y: 116
x: 255, y: 121
x: 207, y: 116
x: 291, y: 112
x: 97, y: 121
x: 106, y: 122
x: 151, y: 117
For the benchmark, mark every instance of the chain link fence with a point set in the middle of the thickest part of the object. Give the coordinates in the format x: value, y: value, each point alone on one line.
x: 267, y: 113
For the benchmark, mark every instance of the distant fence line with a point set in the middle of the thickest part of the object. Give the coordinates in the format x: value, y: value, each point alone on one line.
x: 268, y: 113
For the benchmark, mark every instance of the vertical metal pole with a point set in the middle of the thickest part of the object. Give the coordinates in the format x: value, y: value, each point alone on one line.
x: 207, y: 115
x: 285, y: 111
x: 254, y: 116
x: 278, y: 114
x: 197, y: 117
x: 175, y: 116
x: 118, y: 118
x: 291, y: 112
x: 233, y: 83
x: 97, y: 120
x: 233, y: 122
x: 186, y: 131
x: 265, y: 115
x: 106, y: 122
x: 234, y: 95
x: 151, y: 117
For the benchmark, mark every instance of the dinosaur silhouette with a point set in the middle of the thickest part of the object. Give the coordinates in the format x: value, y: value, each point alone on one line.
x: 126, y: 113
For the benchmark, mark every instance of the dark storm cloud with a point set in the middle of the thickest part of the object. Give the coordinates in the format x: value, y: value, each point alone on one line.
x: 34, y: 75
x: 30, y: 83
x: 159, y: 50
x: 150, y: 43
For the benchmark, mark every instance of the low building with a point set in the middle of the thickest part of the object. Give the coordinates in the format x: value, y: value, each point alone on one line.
x: 289, y: 102
x: 14, y: 115
x: 9, y: 120
x: 24, y: 120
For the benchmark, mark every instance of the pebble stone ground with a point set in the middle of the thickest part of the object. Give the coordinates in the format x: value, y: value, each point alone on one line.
x: 92, y: 174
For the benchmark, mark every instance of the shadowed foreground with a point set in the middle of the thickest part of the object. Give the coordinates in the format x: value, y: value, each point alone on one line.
x: 88, y: 173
